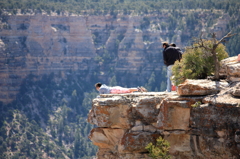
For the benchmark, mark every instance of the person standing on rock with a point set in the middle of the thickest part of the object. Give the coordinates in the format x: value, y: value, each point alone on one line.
x: 104, y: 89
x: 178, y: 49
x: 170, y: 55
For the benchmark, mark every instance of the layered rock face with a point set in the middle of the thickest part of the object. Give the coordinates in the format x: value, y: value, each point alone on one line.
x: 42, y: 44
x: 91, y: 45
x: 201, y: 120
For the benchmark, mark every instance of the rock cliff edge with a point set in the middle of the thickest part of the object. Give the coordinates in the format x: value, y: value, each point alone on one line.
x: 126, y: 123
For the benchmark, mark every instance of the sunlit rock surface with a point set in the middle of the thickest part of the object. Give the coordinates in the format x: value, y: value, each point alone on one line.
x: 201, y: 120
x: 230, y: 67
x: 200, y: 87
x: 126, y: 125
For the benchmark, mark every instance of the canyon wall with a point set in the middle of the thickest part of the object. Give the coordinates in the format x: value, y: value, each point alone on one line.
x: 200, y: 120
x: 90, y: 45
x: 41, y: 44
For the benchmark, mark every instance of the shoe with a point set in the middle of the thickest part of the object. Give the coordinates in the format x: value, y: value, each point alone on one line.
x: 139, y: 89
x: 143, y: 89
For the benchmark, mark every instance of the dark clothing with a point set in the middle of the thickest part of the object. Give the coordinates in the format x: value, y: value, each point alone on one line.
x: 171, y: 54
x: 179, y: 50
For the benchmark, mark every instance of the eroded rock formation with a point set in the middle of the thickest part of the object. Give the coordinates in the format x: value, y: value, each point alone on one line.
x: 91, y: 45
x: 201, y: 120
x: 42, y: 44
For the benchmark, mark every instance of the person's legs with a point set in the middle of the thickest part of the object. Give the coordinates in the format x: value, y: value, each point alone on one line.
x: 121, y: 90
x: 169, y: 74
x: 133, y: 90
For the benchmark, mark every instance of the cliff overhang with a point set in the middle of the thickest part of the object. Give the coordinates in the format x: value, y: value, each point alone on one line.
x: 201, y: 120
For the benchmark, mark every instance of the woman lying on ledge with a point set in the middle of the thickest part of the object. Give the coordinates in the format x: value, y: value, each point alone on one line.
x: 104, y: 89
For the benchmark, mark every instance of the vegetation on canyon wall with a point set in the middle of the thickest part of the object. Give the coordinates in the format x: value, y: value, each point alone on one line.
x: 48, y: 119
x: 187, y: 16
x: 159, y: 150
x: 113, y: 6
x: 183, y: 15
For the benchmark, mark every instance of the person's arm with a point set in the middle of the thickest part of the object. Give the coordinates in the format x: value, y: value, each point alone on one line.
x: 165, y: 57
x: 103, y: 90
x: 179, y: 53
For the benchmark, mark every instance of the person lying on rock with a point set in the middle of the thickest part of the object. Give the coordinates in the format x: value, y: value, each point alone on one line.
x: 104, y: 89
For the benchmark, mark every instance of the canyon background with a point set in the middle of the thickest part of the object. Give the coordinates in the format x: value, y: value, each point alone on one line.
x: 53, y: 52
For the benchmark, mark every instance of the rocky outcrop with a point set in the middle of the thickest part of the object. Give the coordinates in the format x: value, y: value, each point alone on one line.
x: 236, y: 90
x: 200, y: 87
x: 230, y: 68
x: 201, y: 120
x: 127, y: 123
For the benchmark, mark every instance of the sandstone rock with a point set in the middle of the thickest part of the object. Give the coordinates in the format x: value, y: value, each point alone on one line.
x: 193, y: 132
x: 200, y: 87
x: 179, y: 142
x: 230, y: 68
x: 202, y: 146
x: 175, y: 113
x: 173, y: 117
x: 224, y: 63
x: 106, y: 137
x: 106, y: 154
x: 147, y: 108
x: 149, y: 128
x: 222, y: 101
x: 214, y: 121
x: 236, y: 92
x: 136, y: 141
x: 137, y: 128
x: 234, y: 69
x: 110, y: 112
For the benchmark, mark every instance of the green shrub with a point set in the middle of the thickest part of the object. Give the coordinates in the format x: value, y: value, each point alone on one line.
x: 160, y: 150
x: 197, y: 63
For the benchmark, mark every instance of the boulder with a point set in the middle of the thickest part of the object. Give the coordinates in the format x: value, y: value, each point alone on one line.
x: 233, y: 69
x: 136, y: 141
x: 226, y: 98
x: 230, y: 68
x: 236, y: 90
x: 146, y: 108
x: 224, y: 63
x: 110, y: 112
x: 172, y: 116
x: 106, y: 137
x: 200, y: 87
x: 180, y: 142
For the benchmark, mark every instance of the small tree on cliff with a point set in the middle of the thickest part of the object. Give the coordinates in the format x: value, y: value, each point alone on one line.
x: 160, y: 150
x: 201, y: 60
x: 212, y: 49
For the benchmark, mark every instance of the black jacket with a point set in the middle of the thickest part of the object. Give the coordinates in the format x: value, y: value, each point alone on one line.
x: 170, y: 55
